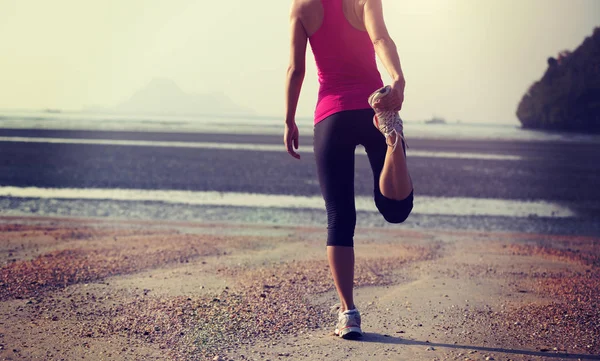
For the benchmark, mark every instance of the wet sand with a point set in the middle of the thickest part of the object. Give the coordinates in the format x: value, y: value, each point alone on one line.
x: 553, y: 171
x: 105, y: 289
x: 563, y: 173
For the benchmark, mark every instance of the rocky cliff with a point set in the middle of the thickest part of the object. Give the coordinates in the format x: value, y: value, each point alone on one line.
x: 568, y: 95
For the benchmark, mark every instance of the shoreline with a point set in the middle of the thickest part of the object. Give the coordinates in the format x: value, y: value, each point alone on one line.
x: 271, y: 128
x: 105, y: 210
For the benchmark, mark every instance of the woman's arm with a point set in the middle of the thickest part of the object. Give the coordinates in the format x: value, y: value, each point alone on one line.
x: 386, y: 51
x: 294, y: 79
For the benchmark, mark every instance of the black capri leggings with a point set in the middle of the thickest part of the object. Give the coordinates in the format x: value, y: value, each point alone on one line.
x: 335, y: 140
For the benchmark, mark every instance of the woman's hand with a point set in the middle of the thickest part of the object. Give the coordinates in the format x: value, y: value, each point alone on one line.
x: 393, y: 101
x: 290, y: 139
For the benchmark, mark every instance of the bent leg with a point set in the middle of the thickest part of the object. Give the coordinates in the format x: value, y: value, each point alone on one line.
x: 392, y: 210
x: 394, y: 181
x: 392, y: 185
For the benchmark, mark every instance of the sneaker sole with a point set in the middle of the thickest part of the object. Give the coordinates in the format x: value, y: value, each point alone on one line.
x: 351, y: 333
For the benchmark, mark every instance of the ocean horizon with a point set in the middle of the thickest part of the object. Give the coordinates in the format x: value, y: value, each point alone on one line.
x: 265, y: 125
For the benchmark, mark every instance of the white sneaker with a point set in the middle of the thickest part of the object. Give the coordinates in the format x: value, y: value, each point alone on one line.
x: 388, y: 122
x: 348, y: 326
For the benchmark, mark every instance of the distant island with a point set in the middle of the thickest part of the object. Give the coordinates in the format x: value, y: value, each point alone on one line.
x: 164, y: 97
x: 568, y: 95
x: 436, y: 120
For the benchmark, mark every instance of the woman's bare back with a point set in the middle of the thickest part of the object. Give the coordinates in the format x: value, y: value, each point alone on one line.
x: 310, y: 13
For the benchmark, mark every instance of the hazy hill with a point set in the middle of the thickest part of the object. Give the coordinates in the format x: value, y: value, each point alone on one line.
x: 164, y: 96
x: 568, y: 95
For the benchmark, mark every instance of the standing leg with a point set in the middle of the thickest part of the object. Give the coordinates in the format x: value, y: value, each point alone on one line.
x: 334, y: 153
x: 341, y: 262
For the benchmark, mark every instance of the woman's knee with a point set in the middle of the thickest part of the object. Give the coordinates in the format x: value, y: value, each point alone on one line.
x: 337, y: 241
x: 394, y: 211
x: 341, y: 233
x: 341, y: 221
x: 397, y: 215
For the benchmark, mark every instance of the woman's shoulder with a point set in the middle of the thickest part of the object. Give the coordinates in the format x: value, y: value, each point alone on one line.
x: 305, y: 5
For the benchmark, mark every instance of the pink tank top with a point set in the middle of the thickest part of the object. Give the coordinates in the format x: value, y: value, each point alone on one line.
x: 346, y: 64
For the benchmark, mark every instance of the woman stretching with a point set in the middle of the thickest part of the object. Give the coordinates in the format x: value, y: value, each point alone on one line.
x: 345, y: 36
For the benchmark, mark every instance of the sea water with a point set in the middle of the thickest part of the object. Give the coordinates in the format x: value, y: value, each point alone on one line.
x: 251, y: 124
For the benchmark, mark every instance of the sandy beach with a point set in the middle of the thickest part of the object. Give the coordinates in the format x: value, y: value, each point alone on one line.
x: 100, y: 289
x: 499, y: 260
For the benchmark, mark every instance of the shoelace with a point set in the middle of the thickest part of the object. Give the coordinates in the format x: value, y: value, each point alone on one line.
x: 395, y: 123
x: 388, y: 119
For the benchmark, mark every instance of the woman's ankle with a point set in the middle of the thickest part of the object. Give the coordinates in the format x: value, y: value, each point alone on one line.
x: 345, y: 307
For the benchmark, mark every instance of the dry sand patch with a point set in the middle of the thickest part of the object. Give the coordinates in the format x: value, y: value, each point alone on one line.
x: 266, y: 298
x: 187, y: 291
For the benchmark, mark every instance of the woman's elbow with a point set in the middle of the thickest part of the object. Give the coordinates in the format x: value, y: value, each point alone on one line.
x: 296, y: 72
x: 383, y: 42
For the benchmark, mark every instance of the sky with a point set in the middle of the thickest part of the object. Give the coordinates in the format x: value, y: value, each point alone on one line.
x: 468, y: 60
